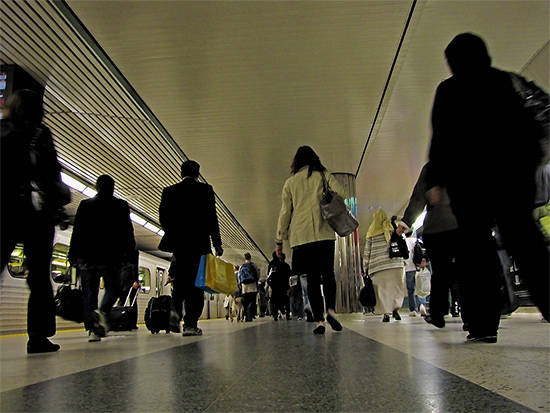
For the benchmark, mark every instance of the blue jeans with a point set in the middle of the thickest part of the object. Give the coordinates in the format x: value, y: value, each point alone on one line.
x: 89, y: 279
x: 414, y: 301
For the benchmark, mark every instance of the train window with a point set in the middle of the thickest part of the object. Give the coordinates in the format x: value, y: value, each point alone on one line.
x: 60, y: 269
x: 145, y: 280
x: 17, y: 264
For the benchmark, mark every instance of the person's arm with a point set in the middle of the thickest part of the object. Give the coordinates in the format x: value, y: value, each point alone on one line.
x: 417, y: 202
x: 285, y: 216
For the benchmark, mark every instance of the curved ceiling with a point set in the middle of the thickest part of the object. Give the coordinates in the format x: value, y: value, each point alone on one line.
x: 135, y: 87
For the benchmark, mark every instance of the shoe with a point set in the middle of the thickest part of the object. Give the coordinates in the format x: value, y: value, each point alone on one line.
x: 300, y: 318
x: 42, y: 345
x: 288, y: 317
x: 489, y: 338
x: 438, y: 322
x: 334, y: 323
x: 320, y: 329
x: 413, y: 314
x: 309, y: 315
x: 396, y: 315
x: 422, y: 310
x: 191, y: 331
x: 275, y: 318
x: 386, y: 318
x: 93, y: 337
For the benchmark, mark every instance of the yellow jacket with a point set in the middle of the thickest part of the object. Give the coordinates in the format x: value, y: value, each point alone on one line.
x: 300, y: 219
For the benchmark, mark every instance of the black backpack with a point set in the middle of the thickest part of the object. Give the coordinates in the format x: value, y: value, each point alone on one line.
x: 419, y: 253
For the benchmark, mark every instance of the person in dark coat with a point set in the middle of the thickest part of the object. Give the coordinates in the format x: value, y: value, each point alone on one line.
x: 188, y: 217
x: 278, y: 275
x: 102, y: 243
x: 22, y: 133
x: 484, y: 151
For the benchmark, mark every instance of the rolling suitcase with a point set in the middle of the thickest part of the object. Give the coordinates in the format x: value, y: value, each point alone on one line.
x: 157, y: 314
x: 124, y: 317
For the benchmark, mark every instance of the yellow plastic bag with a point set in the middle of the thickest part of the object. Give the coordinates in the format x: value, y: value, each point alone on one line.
x: 220, y: 275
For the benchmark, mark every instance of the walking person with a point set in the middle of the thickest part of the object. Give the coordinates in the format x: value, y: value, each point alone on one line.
x: 249, y: 275
x: 478, y: 117
x: 309, y: 235
x: 278, y: 275
x: 102, y: 244
x: 188, y: 217
x: 440, y: 236
x: 25, y: 136
x: 387, y: 273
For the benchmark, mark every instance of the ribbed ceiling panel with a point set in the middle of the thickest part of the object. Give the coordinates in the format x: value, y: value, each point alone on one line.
x: 99, y: 124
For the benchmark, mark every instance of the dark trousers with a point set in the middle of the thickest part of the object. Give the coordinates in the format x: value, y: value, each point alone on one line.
x: 184, y: 269
x: 316, y: 260
x: 249, y: 304
x: 280, y: 301
x: 508, y: 204
x: 441, y: 247
x: 36, y: 231
x: 90, y: 279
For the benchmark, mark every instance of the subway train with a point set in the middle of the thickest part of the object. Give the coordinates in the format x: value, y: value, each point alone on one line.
x: 15, y: 292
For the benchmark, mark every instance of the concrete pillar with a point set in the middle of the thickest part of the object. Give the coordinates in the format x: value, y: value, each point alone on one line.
x: 347, y: 256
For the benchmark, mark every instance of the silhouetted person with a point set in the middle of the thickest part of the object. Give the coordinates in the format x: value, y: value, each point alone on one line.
x: 440, y: 236
x: 483, y: 151
x: 24, y: 135
x: 102, y: 243
x: 278, y: 275
x: 188, y: 217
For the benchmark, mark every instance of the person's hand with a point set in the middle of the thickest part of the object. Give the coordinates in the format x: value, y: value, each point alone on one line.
x: 434, y: 195
x: 135, y: 285
x: 219, y: 251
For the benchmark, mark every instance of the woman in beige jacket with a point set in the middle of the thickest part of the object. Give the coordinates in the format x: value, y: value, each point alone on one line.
x: 310, y: 236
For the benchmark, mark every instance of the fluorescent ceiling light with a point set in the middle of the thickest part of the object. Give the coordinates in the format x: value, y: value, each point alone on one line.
x: 89, y: 192
x: 137, y: 219
x: 73, y: 183
x: 151, y: 227
x: 419, y: 221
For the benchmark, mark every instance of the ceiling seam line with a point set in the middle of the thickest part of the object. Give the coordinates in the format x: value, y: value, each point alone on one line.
x: 386, y: 86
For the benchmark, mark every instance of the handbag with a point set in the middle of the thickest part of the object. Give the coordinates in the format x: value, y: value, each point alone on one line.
x: 398, y: 246
x: 46, y: 195
x: 367, y: 296
x: 220, y: 275
x: 200, y: 281
x: 422, y: 280
x: 335, y: 211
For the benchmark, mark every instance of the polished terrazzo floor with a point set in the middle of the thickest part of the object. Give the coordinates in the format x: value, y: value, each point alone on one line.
x: 267, y: 366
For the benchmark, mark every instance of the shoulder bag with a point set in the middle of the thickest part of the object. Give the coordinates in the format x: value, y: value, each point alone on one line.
x: 335, y: 211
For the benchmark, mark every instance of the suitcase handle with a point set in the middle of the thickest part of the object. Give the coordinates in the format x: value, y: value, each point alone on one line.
x: 128, y: 298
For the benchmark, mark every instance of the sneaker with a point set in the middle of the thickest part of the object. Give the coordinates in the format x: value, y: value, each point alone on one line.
x: 396, y: 315
x: 422, y: 310
x: 413, y: 314
x: 490, y: 338
x: 191, y: 331
x: 41, y: 346
x: 93, y: 336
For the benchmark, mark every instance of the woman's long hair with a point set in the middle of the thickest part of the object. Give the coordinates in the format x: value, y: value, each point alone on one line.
x: 305, y: 156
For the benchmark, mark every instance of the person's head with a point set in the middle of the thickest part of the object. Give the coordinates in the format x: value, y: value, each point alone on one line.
x: 190, y: 169
x: 24, y: 107
x: 279, y: 255
x: 467, y: 53
x: 247, y: 256
x: 105, y: 185
x: 305, y: 156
